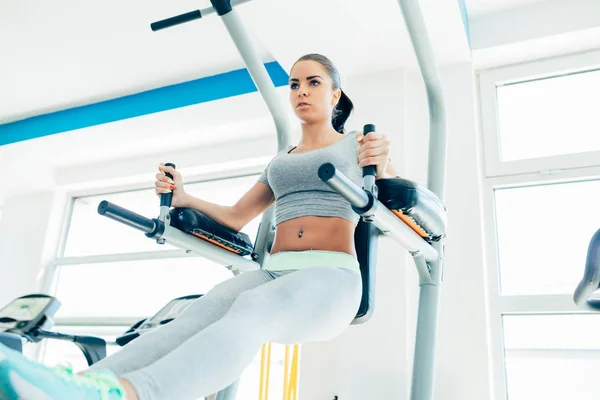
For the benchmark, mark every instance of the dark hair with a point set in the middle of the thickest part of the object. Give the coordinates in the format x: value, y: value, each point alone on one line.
x: 344, y: 107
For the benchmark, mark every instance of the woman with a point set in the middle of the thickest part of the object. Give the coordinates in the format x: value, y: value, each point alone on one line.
x: 309, y: 290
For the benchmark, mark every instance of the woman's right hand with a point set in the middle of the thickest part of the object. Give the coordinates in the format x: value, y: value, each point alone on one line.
x: 164, y: 184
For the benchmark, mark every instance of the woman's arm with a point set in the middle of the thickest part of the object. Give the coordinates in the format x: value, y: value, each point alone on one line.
x: 249, y: 206
x: 235, y: 217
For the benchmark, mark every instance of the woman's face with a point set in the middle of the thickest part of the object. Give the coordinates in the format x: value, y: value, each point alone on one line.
x: 311, y: 92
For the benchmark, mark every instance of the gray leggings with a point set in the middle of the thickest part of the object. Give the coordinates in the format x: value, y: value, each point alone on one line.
x: 208, y: 347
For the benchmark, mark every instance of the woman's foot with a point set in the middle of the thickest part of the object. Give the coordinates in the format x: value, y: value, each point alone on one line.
x: 23, y: 379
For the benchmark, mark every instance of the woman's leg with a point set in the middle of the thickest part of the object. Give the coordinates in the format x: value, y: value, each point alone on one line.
x: 203, y: 312
x: 21, y: 378
x: 312, y: 304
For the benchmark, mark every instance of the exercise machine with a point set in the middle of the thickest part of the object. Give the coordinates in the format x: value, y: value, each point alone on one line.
x: 29, y: 317
x: 585, y: 296
x: 413, y: 215
x: 168, y: 313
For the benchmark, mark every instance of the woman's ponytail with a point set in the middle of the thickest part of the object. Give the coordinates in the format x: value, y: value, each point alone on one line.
x: 341, y: 112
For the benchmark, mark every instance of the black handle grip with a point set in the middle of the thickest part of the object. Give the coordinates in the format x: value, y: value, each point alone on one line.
x: 326, y: 172
x: 166, y: 198
x: 370, y: 169
x: 176, y: 20
x: 125, y: 216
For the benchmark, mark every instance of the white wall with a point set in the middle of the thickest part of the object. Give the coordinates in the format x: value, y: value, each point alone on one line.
x: 372, y: 360
x: 29, y: 236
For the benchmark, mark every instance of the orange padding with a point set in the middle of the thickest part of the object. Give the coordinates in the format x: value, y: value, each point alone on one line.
x: 215, y: 242
x: 412, y: 224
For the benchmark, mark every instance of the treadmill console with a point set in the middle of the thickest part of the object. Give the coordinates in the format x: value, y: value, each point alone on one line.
x: 27, y: 313
x: 168, y: 313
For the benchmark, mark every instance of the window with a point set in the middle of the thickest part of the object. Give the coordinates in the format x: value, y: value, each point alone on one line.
x: 137, y: 288
x: 543, y: 233
x: 541, y: 188
x: 563, y: 350
x: 541, y: 116
x: 549, y: 117
x: 109, y: 276
x: 90, y: 234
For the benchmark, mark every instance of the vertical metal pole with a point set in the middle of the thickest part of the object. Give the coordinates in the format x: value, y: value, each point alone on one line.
x: 265, y: 86
x: 423, y: 380
x: 258, y: 72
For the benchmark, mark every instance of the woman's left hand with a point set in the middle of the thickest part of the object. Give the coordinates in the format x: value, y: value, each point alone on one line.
x: 374, y: 149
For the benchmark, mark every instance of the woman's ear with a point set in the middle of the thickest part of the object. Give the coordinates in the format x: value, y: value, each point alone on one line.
x: 336, y: 97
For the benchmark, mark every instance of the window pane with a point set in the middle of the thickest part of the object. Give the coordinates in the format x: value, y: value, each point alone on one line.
x: 91, y: 234
x: 133, y: 288
x: 549, y: 117
x: 552, y: 357
x: 543, y: 235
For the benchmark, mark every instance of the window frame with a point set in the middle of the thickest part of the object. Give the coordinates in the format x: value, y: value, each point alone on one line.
x: 490, y: 79
x: 498, y: 174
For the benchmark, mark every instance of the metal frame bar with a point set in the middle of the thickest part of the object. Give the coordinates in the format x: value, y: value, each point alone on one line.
x: 259, y: 75
x: 163, y: 232
x: 383, y: 218
x: 423, y: 379
x: 266, y: 88
x: 210, y: 251
x: 124, y: 257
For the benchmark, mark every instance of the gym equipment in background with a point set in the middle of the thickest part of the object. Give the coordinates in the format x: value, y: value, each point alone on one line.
x: 168, y: 313
x: 590, y: 283
x: 29, y: 317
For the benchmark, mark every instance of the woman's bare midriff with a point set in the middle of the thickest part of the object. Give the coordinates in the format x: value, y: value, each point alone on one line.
x: 315, y: 233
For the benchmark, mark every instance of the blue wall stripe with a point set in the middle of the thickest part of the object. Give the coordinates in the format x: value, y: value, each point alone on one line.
x: 202, y: 90
x: 465, y: 17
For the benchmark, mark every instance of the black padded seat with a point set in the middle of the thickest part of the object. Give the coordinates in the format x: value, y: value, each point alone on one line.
x: 200, y: 225
x: 418, y: 207
x: 365, y: 241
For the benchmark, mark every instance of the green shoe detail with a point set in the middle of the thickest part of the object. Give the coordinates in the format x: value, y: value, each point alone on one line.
x: 105, y: 382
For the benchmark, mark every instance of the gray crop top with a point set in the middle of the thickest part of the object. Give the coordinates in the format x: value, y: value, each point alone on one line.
x: 298, y: 190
